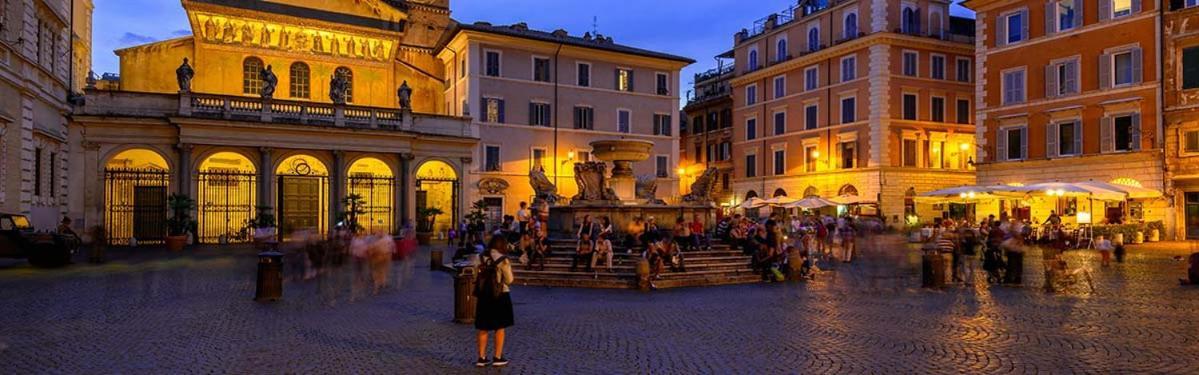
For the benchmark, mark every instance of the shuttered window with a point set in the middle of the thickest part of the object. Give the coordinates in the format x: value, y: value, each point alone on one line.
x: 1190, y: 68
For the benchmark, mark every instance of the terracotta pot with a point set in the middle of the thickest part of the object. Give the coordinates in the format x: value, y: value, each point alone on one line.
x: 424, y: 238
x: 176, y: 243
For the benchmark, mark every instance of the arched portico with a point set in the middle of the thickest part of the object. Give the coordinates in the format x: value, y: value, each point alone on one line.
x: 373, y: 181
x: 226, y: 197
x: 137, y: 182
x: 302, y: 195
x: 438, y: 185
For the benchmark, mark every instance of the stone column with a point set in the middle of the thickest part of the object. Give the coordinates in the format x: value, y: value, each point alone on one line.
x: 264, y: 178
x: 337, y: 187
x: 403, y: 191
x: 184, y: 174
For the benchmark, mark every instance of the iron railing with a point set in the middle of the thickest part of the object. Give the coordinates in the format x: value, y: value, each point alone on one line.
x: 135, y: 205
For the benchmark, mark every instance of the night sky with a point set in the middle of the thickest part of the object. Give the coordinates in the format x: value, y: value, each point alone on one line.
x: 698, y: 29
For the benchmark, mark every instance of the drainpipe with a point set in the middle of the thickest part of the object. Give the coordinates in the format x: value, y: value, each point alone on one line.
x: 554, y: 113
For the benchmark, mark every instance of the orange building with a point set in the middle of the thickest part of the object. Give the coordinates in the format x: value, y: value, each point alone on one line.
x: 1069, y: 93
x: 1180, y: 57
x: 707, y: 140
x: 869, y: 101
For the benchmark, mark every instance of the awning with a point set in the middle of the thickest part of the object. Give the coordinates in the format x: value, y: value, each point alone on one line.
x: 1133, y: 192
x: 753, y: 203
x: 850, y: 200
x: 781, y: 200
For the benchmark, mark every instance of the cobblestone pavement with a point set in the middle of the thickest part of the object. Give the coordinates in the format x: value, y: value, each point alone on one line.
x: 154, y: 312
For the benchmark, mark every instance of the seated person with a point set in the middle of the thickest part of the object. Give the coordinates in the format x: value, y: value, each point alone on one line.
x: 682, y: 234
x: 536, y: 250
x: 699, y: 238
x: 603, y: 250
x: 583, y: 253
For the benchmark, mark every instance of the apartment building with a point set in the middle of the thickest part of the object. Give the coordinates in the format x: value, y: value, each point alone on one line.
x: 35, y: 79
x: 1069, y: 92
x: 707, y: 140
x: 1180, y: 79
x: 540, y: 98
x: 867, y: 102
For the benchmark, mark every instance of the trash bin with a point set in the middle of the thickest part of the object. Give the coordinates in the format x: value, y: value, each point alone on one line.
x: 464, y: 296
x: 933, y: 270
x: 643, y: 275
x: 270, y: 277
x: 435, y: 259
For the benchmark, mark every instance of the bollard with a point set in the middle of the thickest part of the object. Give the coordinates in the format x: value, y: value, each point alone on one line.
x: 643, y: 275
x: 933, y: 270
x: 435, y: 260
x: 464, y: 296
x: 270, y: 277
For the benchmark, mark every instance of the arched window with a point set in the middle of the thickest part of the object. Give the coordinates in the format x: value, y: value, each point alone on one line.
x: 300, y: 80
x: 251, y: 76
x: 753, y: 59
x: 847, y: 190
x: 851, y: 26
x: 811, y: 191
x: 814, y: 39
x: 911, y: 21
x: 751, y: 194
x: 780, y: 193
x: 935, y: 27
x: 781, y: 49
x: 348, y: 74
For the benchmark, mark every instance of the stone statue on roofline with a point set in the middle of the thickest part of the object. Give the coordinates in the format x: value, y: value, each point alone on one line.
x: 183, y: 75
x: 269, y: 81
x: 405, y: 95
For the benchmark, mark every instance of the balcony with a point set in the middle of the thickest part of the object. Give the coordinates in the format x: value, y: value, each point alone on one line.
x: 713, y: 73
x: 786, y: 16
x: 274, y: 111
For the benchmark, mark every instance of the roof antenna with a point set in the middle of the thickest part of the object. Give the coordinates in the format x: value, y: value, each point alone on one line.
x: 595, y: 25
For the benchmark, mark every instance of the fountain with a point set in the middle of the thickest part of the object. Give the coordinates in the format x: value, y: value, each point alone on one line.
x: 617, y: 195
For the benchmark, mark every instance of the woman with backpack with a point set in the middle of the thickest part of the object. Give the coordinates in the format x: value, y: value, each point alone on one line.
x: 493, y: 311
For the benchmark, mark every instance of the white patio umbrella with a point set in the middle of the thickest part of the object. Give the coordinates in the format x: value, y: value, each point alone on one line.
x: 753, y: 203
x: 1065, y: 189
x: 850, y: 199
x: 811, y: 203
x: 781, y: 200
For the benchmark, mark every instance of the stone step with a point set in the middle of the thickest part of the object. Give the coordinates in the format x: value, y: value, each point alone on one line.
x: 637, y: 254
x: 631, y: 269
x: 631, y: 283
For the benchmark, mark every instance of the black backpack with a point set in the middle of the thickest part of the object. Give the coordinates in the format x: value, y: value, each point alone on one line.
x: 487, y: 285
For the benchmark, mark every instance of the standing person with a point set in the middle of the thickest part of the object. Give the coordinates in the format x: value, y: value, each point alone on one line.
x: 493, y: 311
x: 1013, y: 249
x: 849, y: 244
x: 969, y: 257
x: 1105, y: 251
x: 523, y: 216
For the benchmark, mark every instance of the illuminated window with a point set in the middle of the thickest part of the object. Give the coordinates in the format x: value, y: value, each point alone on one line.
x: 348, y: 75
x: 624, y: 80
x: 1121, y: 8
x: 810, y: 157
x: 251, y: 81
x: 300, y: 81
x: 493, y: 110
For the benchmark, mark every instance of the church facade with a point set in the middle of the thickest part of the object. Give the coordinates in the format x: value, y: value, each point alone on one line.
x: 300, y: 111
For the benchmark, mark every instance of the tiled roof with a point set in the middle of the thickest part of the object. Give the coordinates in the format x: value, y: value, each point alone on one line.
x: 520, y: 30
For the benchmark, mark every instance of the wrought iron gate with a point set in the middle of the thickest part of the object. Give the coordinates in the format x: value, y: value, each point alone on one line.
x: 377, y: 194
x: 135, y: 205
x: 226, y: 205
x: 302, y: 203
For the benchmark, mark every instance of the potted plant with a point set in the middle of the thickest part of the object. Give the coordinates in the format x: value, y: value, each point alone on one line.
x: 180, y: 222
x: 424, y: 224
x: 348, y: 219
x: 262, y: 227
x: 477, y: 219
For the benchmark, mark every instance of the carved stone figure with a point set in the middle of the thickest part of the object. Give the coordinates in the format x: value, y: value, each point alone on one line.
x: 266, y: 36
x: 318, y: 43
x: 210, y: 30
x: 337, y: 89
x: 334, y: 45
x: 228, y: 32
x: 184, y: 75
x: 405, y: 94
x: 591, y: 177
x: 647, y: 189
x: 247, y: 34
x: 269, y: 81
x: 493, y: 185
x: 544, y: 189
x: 701, y: 189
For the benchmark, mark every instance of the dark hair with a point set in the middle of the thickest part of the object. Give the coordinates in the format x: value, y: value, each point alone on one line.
x: 498, y: 243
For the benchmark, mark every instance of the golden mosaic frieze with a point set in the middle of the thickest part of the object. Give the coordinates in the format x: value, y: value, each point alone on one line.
x: 235, y: 31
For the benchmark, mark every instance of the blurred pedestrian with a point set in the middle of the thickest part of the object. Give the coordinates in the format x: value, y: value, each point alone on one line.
x: 493, y: 311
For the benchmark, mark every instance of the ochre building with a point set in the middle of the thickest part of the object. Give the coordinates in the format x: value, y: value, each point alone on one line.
x: 869, y: 102
x: 1070, y: 92
x: 1180, y: 81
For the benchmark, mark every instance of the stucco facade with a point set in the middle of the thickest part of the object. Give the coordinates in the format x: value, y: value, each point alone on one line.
x: 35, y: 79
x: 1069, y: 92
x: 909, y: 128
x: 494, y: 81
x: 1180, y: 81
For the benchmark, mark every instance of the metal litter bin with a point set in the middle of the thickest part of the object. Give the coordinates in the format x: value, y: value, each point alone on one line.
x: 464, y: 296
x: 933, y: 270
x: 270, y: 277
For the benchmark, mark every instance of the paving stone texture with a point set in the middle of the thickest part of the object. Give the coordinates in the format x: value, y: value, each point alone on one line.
x: 151, y: 312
